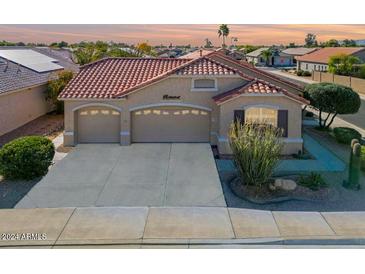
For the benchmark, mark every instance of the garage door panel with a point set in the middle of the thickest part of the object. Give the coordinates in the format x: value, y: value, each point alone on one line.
x: 170, y: 125
x: 98, y: 125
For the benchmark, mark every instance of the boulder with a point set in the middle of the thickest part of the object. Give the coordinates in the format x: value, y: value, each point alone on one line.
x: 285, y: 184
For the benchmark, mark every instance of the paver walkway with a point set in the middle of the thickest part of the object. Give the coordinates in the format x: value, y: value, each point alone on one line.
x: 176, y: 226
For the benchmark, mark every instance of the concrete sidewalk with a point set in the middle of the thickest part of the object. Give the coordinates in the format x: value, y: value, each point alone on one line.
x: 135, y: 227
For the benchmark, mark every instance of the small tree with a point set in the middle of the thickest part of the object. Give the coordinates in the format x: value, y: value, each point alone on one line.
x: 208, y: 43
x: 266, y: 54
x: 144, y: 48
x: 256, y: 151
x: 342, y: 64
x: 311, y: 40
x: 55, y: 86
x: 332, y: 99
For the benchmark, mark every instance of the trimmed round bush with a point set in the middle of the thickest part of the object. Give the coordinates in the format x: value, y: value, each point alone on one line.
x: 306, y: 73
x: 344, y: 135
x: 26, y: 157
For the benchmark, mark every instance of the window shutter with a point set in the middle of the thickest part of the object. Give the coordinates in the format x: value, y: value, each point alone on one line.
x: 283, y: 121
x: 239, y: 115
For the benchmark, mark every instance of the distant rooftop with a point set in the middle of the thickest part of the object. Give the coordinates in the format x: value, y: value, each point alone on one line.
x: 298, y: 51
x: 256, y: 53
x: 323, y: 55
x: 31, y: 59
x: 197, y: 53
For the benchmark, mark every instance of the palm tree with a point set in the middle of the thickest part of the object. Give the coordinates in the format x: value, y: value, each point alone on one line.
x: 266, y: 54
x: 224, y: 32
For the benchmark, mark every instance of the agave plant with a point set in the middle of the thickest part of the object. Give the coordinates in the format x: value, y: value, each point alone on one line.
x: 256, y: 151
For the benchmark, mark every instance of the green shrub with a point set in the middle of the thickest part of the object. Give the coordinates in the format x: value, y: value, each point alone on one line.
x: 256, y: 151
x: 26, y: 158
x: 333, y: 99
x: 300, y: 73
x: 344, y: 135
x: 363, y: 158
x: 306, y: 73
x: 314, y: 181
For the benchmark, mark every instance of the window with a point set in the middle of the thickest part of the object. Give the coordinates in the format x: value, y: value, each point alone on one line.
x: 306, y: 66
x: 204, y: 85
x: 261, y: 116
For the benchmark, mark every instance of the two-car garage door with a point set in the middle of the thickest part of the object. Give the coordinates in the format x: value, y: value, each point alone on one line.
x: 170, y: 124
x: 163, y: 124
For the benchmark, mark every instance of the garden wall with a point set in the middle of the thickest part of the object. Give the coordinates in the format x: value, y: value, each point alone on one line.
x: 356, y: 84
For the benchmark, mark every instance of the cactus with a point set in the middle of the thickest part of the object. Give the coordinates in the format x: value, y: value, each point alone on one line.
x: 353, y: 181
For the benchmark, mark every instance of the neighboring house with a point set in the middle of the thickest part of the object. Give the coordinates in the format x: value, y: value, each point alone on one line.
x: 24, y: 74
x: 143, y: 100
x: 277, y: 59
x: 255, y: 57
x: 318, y: 60
x: 296, y: 52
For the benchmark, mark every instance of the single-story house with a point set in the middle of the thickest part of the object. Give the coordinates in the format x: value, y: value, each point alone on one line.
x: 318, y: 60
x: 24, y: 74
x: 296, y: 52
x: 277, y: 59
x: 147, y: 100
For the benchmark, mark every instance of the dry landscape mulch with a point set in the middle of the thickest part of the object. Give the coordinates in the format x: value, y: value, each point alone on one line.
x: 49, y: 125
x: 266, y: 196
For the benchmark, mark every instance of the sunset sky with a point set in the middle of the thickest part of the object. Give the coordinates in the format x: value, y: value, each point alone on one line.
x: 177, y: 34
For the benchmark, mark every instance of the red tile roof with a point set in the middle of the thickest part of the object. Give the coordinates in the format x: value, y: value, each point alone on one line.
x: 109, y: 77
x: 206, y: 66
x: 322, y: 56
x: 116, y: 77
x: 256, y: 87
x: 248, y: 66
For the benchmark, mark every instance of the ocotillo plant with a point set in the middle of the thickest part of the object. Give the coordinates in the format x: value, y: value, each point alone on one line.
x: 353, y: 181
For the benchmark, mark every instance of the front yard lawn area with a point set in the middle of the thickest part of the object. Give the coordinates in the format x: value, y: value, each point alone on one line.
x: 340, y: 198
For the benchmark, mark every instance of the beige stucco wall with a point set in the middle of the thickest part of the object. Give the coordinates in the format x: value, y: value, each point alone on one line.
x: 20, y: 107
x: 294, y: 139
x: 220, y: 116
x: 153, y: 95
x: 356, y: 84
x: 342, y: 80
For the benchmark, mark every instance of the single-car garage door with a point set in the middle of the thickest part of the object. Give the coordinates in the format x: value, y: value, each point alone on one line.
x: 98, y: 125
x: 170, y: 124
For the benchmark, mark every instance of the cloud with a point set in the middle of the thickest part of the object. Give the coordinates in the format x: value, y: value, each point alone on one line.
x: 178, y: 34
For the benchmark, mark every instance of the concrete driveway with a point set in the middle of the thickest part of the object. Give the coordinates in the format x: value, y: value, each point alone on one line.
x: 136, y: 175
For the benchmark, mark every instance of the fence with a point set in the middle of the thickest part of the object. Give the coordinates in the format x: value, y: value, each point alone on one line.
x: 356, y: 84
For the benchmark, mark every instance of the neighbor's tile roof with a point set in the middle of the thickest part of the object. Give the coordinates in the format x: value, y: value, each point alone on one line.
x: 116, y: 77
x: 322, y: 56
x: 197, y: 53
x: 258, y: 87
